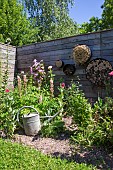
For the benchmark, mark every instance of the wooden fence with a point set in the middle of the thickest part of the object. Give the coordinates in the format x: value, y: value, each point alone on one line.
x: 100, y: 43
x: 7, y: 60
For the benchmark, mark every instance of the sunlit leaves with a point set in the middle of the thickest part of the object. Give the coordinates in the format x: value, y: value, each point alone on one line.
x: 14, y: 24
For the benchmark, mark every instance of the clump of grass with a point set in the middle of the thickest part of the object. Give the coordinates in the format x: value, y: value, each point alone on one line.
x: 14, y: 156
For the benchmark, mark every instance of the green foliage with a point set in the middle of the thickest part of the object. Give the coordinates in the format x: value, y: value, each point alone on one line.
x: 77, y: 105
x: 52, y: 18
x: 15, y: 156
x: 105, y: 22
x: 54, y: 128
x: 99, y: 131
x: 94, y: 24
x: 107, y: 14
x: 7, y: 113
x: 14, y: 24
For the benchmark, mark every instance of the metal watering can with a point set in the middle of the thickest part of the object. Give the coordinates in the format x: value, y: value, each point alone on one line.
x: 31, y: 121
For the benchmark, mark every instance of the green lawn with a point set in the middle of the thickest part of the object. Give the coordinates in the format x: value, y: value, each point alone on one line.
x: 14, y: 156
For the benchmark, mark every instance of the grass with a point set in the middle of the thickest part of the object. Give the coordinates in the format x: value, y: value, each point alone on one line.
x: 14, y: 156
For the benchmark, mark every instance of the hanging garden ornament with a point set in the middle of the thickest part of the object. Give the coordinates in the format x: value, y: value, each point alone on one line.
x: 69, y: 69
x: 98, y: 71
x: 81, y: 54
x: 59, y: 63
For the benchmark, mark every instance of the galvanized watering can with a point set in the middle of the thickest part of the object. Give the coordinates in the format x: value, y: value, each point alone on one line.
x: 31, y: 121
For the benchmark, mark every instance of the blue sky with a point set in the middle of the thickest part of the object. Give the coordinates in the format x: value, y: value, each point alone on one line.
x: 83, y: 10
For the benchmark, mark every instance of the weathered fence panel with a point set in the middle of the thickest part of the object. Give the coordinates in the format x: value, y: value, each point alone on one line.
x: 7, y: 62
x: 100, y: 43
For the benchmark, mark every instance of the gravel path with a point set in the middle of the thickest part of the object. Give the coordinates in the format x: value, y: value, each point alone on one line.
x: 61, y: 147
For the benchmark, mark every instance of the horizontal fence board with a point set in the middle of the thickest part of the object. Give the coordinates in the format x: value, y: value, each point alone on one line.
x: 62, y: 41
x: 107, y: 33
x: 59, y: 47
x: 107, y: 52
x: 50, y: 56
x: 53, y: 49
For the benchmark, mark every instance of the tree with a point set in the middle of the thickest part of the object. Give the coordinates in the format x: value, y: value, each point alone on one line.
x: 105, y: 22
x: 94, y: 24
x: 52, y: 17
x: 14, y: 24
x: 107, y: 14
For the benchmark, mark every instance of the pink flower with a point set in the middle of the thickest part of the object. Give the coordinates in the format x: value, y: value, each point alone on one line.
x: 7, y: 90
x: 51, y: 81
x: 31, y: 70
x: 111, y: 73
x: 63, y: 85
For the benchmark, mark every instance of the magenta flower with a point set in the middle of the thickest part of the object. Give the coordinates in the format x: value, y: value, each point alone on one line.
x: 63, y: 85
x: 111, y: 73
x: 7, y: 90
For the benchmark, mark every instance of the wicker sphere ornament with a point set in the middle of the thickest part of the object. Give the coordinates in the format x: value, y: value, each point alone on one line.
x: 98, y: 71
x: 81, y: 54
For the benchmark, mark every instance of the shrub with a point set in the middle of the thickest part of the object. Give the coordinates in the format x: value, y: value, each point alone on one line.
x: 77, y: 105
x: 99, y: 130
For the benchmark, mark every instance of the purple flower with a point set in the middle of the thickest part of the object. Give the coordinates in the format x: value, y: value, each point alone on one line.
x: 35, y: 75
x: 41, y: 71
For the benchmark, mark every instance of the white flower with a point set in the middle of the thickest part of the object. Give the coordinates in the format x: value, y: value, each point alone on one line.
x: 34, y: 60
x: 50, y: 67
x: 22, y: 72
x: 8, y: 40
x: 41, y: 61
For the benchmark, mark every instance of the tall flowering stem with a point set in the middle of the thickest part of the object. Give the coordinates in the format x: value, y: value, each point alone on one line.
x: 51, y: 87
x: 51, y: 77
x: 25, y: 81
x: 19, y: 85
x: 38, y: 72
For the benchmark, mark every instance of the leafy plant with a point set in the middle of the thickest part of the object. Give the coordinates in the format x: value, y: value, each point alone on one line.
x: 99, y: 130
x: 77, y: 105
x: 54, y: 128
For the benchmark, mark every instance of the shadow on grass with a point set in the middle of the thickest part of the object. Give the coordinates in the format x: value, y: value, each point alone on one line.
x: 99, y: 157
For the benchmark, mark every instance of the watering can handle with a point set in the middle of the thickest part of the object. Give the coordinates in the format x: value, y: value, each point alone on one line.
x: 19, y: 113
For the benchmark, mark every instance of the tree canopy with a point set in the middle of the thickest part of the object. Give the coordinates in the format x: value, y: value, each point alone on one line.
x: 52, y: 17
x: 28, y: 21
x: 105, y: 22
x: 14, y: 24
x: 107, y: 14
